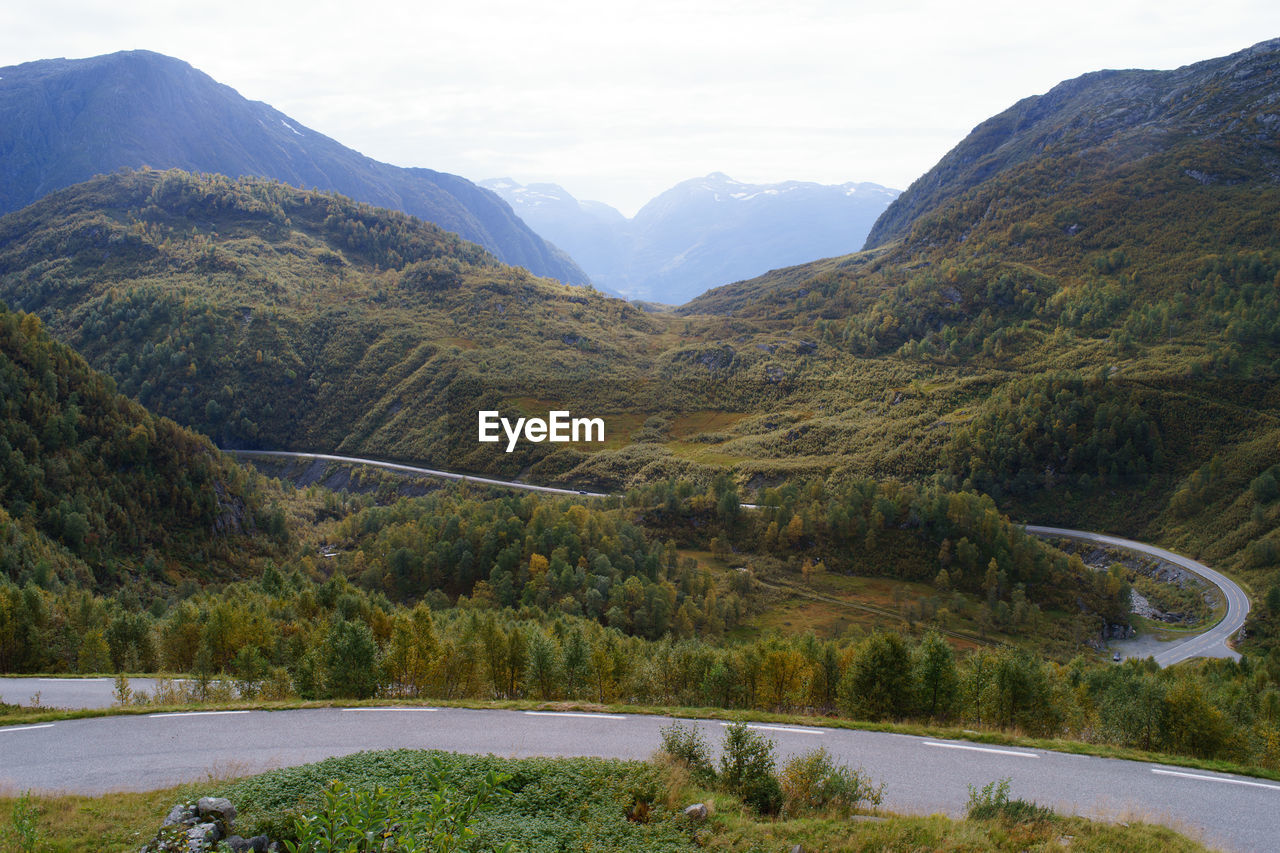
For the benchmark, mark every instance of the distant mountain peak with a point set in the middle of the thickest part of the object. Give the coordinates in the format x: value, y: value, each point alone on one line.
x: 701, y: 233
x: 65, y: 120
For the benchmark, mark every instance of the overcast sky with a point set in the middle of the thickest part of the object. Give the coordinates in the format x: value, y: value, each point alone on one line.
x: 617, y: 101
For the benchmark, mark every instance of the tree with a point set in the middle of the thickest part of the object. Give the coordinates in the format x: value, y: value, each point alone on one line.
x: 351, y: 659
x: 543, y: 664
x: 937, y: 679
x: 877, y: 684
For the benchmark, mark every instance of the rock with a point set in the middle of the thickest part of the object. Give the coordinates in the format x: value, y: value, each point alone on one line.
x: 258, y: 844
x: 697, y: 811
x: 237, y: 844
x: 202, y: 836
x: 799, y: 848
x: 180, y: 813
x: 218, y: 808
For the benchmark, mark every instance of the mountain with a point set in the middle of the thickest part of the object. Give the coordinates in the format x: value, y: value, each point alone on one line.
x: 1093, y: 340
x: 700, y: 233
x: 1116, y: 117
x: 98, y: 492
x: 1102, y: 263
x: 262, y: 314
x: 68, y: 120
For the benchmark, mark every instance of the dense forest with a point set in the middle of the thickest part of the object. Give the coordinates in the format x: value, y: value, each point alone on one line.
x: 97, y: 492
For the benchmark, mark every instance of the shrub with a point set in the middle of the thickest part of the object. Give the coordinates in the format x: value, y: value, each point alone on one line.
x: 23, y: 833
x: 687, y: 746
x: 814, y: 782
x: 747, y: 769
x: 992, y: 802
x: 352, y: 820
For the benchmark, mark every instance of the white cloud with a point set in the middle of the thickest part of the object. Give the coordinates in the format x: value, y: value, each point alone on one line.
x: 618, y: 101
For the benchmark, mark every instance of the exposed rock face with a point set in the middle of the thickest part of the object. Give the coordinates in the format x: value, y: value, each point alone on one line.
x: 1116, y: 116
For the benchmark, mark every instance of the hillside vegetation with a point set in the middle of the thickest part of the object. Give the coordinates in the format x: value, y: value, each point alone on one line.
x: 67, y: 120
x: 1086, y: 329
x: 97, y: 493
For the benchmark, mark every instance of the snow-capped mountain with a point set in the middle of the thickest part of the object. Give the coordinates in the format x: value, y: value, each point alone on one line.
x: 702, y: 232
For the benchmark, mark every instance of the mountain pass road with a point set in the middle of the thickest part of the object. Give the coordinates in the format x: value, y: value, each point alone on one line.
x: 921, y: 775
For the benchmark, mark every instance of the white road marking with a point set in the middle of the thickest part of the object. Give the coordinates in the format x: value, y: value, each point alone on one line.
x: 1214, y: 779
x: 982, y: 749
x: 795, y: 729
x: 194, y: 714
x: 24, y: 728
x: 575, y: 714
x: 391, y: 709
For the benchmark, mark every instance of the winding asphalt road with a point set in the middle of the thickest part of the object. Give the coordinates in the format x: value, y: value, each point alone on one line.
x: 1210, y: 644
x: 920, y: 775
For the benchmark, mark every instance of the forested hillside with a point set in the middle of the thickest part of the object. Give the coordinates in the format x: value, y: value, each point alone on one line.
x: 1101, y: 262
x: 69, y: 120
x: 1090, y: 339
x: 98, y: 493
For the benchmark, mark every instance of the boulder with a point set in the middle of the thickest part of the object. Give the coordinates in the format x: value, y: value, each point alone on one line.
x: 216, y: 808
x: 181, y: 813
x: 202, y: 837
x: 697, y: 811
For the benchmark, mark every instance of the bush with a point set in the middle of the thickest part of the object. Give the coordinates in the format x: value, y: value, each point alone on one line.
x: 747, y: 769
x: 352, y: 820
x: 813, y: 782
x: 993, y: 802
x: 687, y: 746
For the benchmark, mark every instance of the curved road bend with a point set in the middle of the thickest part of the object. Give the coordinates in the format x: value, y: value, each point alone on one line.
x: 921, y: 775
x: 1212, y: 643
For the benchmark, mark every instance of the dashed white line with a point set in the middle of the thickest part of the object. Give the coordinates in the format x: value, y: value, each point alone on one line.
x: 982, y: 749
x: 796, y: 729
x: 194, y: 714
x: 411, y: 710
x: 575, y: 714
x: 24, y: 728
x: 1214, y: 779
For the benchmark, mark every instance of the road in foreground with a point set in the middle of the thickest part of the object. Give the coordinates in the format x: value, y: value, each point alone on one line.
x: 1210, y: 644
x: 921, y: 775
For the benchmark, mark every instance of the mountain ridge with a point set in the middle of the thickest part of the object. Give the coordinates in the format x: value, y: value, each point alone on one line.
x: 1116, y: 115
x: 701, y: 233
x: 69, y: 119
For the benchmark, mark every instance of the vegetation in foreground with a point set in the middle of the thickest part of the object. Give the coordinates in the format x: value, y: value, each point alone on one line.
x: 373, y: 801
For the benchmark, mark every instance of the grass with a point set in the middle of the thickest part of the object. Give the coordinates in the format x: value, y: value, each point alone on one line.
x: 575, y: 805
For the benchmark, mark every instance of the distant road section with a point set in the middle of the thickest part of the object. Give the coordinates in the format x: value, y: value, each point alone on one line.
x: 424, y: 472
x: 1210, y: 644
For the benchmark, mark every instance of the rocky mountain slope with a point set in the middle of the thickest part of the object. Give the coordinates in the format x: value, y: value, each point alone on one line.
x: 64, y: 121
x: 1114, y: 118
